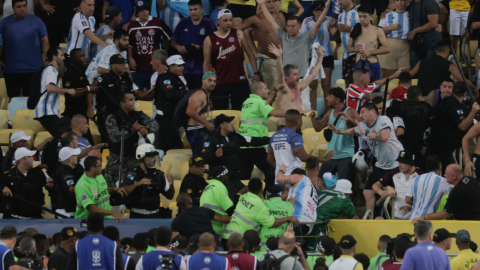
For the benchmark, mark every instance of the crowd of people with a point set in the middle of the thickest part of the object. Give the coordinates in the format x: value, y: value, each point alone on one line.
x: 188, y: 59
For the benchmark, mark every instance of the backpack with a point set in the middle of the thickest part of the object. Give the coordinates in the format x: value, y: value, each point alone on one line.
x: 180, y: 117
x: 35, y: 86
x: 270, y: 262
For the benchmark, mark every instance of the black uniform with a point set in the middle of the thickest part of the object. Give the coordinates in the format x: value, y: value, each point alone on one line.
x: 145, y: 198
x: 58, y: 259
x: 193, y: 186
x: 29, y: 187
x: 169, y: 90
x: 66, y: 178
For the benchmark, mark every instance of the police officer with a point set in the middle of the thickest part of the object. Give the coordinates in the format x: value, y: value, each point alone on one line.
x: 215, y: 196
x: 223, y: 148
x: 144, y: 183
x: 66, y: 177
x: 193, y: 183
x: 25, y: 181
x: 118, y: 123
x: 95, y: 251
x: 278, y: 209
x: 17, y: 140
x: 254, y: 123
x: 110, y: 84
x: 169, y: 90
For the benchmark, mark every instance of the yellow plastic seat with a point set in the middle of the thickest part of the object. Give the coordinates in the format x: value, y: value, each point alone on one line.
x: 273, y: 124
x: 46, y: 198
x: 2, y: 102
x: 142, y: 105
x: 173, y: 206
x: 186, y: 144
x: 166, y: 202
x: 165, y: 166
x: 340, y: 83
x: 183, y: 168
x: 307, y: 121
x: 183, y: 151
x: 414, y: 82
x: 235, y: 122
x: 24, y: 120
x: 175, y: 159
x: 3, y: 88
x: 4, y: 116
x: 5, y: 137
x: 256, y: 173
x: 41, y: 137
x: 148, y: 112
x: 313, y: 139
x: 61, y: 100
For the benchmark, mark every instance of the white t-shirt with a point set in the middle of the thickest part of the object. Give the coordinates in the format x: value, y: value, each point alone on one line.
x: 103, y: 30
x: 49, y: 103
x: 77, y: 38
x: 427, y: 191
x: 102, y: 60
x: 306, y: 200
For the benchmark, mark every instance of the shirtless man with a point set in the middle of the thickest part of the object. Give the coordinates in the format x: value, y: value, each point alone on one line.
x: 366, y: 42
x: 198, y: 128
x: 472, y: 166
x: 288, y: 84
x: 266, y: 35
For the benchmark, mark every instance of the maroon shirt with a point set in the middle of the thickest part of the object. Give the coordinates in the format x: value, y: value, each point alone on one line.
x: 242, y: 261
x: 227, y: 58
x: 144, y: 39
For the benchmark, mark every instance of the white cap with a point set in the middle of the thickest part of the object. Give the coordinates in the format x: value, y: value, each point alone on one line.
x: 23, y: 152
x: 224, y: 12
x: 175, y: 59
x: 344, y: 186
x: 18, y: 136
x: 67, y: 152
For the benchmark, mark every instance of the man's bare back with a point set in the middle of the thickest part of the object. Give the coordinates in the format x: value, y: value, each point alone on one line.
x: 199, y: 100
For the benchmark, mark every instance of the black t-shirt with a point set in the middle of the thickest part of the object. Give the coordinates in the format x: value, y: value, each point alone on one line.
x: 8, y: 260
x: 58, y: 259
x: 464, y: 200
x: 476, y: 18
x: 113, y: 84
x: 194, y: 220
x: 193, y: 186
x: 439, y: 70
x: 73, y: 78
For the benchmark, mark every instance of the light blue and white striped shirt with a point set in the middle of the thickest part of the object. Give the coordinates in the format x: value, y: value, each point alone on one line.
x: 77, y: 38
x: 336, y: 7
x: 349, y: 18
x: 170, y: 17
x: 104, y: 29
x: 323, y: 36
x: 49, y: 103
x: 394, y: 17
x: 102, y: 60
x: 427, y: 191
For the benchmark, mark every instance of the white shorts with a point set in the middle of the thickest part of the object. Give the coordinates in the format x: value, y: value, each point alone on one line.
x: 458, y: 22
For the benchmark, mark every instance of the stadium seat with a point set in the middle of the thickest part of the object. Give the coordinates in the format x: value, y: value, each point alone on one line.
x: 307, y: 121
x: 5, y: 136
x: 148, y: 112
x: 166, y: 202
x: 313, y: 138
x: 183, y: 168
x: 273, y: 124
x: 320, y: 150
x: 3, y: 88
x: 175, y: 159
x: 24, y: 120
x: 141, y: 105
x: 2, y: 102
x: 183, y: 151
x: 235, y: 122
x: 256, y: 173
x: 340, y: 83
x: 17, y: 103
x: 41, y: 137
x: 165, y: 167
x: 61, y: 100
x: 47, y: 198
x: 414, y: 82
x: 4, y: 116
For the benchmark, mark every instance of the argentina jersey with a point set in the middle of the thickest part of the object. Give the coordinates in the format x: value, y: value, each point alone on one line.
x: 76, y: 37
x: 103, y: 30
x: 102, y: 60
x: 335, y: 7
x: 305, y: 209
x: 349, y: 18
x: 403, y: 19
x: 49, y: 103
x: 170, y: 17
x: 323, y: 35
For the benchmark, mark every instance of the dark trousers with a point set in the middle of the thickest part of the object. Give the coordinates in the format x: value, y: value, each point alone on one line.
x: 50, y: 123
x: 197, y: 138
x: 257, y: 157
x: 142, y: 79
x: 194, y: 81
x: 342, y: 166
x: 168, y: 135
x: 236, y: 93
x: 419, y: 54
x: 446, y: 157
x: 16, y: 82
x: 419, y: 157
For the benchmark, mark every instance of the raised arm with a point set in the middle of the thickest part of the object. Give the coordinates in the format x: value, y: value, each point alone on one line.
x: 313, y: 73
x: 207, y: 53
x: 320, y: 20
x: 298, y: 6
x: 268, y: 16
x: 251, y: 56
x: 280, y: 83
x: 471, y: 134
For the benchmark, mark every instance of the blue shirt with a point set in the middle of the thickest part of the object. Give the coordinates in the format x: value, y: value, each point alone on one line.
x: 282, y: 143
x: 204, y: 260
x: 96, y: 252
x: 214, y: 15
x: 126, y: 6
x: 150, y: 260
x: 83, y: 143
x: 23, y: 52
x: 188, y: 33
x: 425, y: 256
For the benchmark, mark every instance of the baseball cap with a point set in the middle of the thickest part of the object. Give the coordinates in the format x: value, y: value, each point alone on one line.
x: 460, y: 87
x: 217, y: 171
x: 272, y: 243
x: 223, y: 118
x: 179, y: 242
x: 326, y: 244
x: 193, y: 244
x: 441, y: 234
x: 67, y: 152
x: 274, y: 191
x: 196, y: 161
x: 224, y: 12
x: 329, y: 179
x: 347, y: 242
x: 175, y: 59
x: 117, y: 59
x: 344, y: 186
x: 141, y: 5
x: 67, y: 233
x: 23, y: 152
x: 208, y: 74
x: 111, y: 13
x: 463, y: 236
x: 406, y: 157
x: 18, y: 136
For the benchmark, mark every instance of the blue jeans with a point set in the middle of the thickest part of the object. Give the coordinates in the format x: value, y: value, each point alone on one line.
x: 142, y: 79
x: 196, y: 138
x: 417, y: 55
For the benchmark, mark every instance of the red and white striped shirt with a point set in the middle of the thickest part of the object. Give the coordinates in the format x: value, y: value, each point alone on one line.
x: 355, y: 95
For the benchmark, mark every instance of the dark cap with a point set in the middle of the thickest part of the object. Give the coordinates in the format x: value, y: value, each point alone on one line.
x: 406, y: 157
x: 274, y: 191
x: 463, y: 236
x: 67, y: 233
x: 117, y: 59
x: 441, y: 234
x: 111, y: 13
x: 193, y: 244
x: 459, y: 87
x: 141, y: 5
x: 473, y: 246
x: 326, y: 244
x: 179, y: 242
x: 196, y: 161
x: 347, y: 242
x: 223, y: 118
x: 217, y: 172
x: 272, y: 243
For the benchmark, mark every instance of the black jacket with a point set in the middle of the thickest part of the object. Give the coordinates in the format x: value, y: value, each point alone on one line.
x: 66, y: 178
x: 169, y: 90
x: 193, y: 186
x: 113, y: 86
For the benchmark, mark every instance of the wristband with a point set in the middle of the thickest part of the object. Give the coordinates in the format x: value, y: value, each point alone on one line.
x: 282, y: 171
x: 88, y: 88
x: 300, y: 255
x: 257, y: 73
x: 366, y: 133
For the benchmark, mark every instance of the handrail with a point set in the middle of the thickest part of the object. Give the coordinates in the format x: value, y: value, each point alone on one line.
x: 368, y: 214
x: 385, y: 208
x: 467, y: 57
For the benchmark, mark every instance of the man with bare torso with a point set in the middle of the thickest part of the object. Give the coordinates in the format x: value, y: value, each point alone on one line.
x: 366, y: 41
x: 266, y: 35
x: 198, y: 128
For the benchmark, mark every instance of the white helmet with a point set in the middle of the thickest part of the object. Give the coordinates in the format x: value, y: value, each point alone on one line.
x: 146, y: 150
x: 359, y: 162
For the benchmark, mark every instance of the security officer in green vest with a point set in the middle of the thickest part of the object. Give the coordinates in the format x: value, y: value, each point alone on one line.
x: 278, y: 209
x: 255, y: 113
x: 215, y: 196
x: 251, y: 213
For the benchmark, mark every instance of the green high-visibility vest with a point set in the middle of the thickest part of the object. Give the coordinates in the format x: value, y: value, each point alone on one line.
x: 278, y: 209
x: 215, y: 197
x: 255, y: 113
